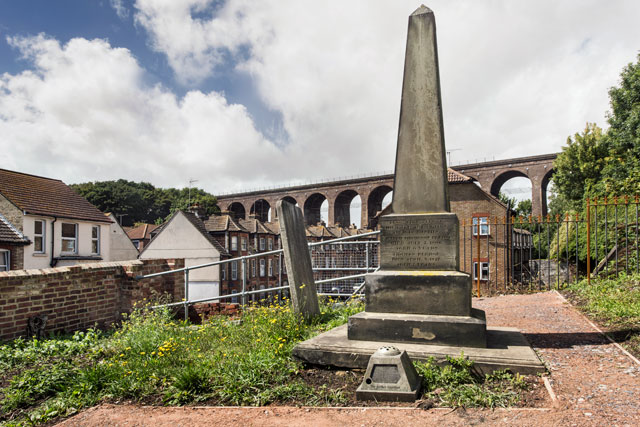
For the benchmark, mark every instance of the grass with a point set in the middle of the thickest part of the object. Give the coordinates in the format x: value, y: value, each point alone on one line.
x: 154, y: 359
x: 614, y: 303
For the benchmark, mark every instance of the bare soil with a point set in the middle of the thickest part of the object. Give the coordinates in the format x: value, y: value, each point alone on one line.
x: 593, y: 382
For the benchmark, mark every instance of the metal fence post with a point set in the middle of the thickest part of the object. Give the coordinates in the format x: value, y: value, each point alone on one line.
x: 244, y: 281
x: 186, y: 295
x: 589, y: 243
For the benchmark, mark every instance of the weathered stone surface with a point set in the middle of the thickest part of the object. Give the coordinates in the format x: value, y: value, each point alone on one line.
x: 421, y: 167
x: 506, y: 348
x: 419, y: 242
x: 304, y: 296
x: 418, y: 292
x: 468, y: 331
x: 390, y: 376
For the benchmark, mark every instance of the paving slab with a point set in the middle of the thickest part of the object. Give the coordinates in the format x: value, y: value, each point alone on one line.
x: 506, y: 348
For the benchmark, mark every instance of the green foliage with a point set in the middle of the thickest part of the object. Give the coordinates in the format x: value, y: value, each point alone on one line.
x: 154, y: 357
x: 141, y: 201
x: 458, y: 384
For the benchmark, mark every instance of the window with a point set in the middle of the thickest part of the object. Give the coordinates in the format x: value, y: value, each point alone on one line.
x: 243, y: 244
x: 95, y: 239
x: 270, y: 267
x: 5, y: 260
x: 234, y: 270
x: 484, y: 270
x: 262, y: 243
x: 39, y: 227
x: 270, y: 244
x: 69, y: 238
x: 262, y: 272
x: 253, y: 267
x: 223, y: 272
x: 136, y: 243
x: 234, y: 243
x: 484, y: 225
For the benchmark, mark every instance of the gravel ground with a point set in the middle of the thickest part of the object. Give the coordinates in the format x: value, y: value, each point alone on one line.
x: 594, y: 382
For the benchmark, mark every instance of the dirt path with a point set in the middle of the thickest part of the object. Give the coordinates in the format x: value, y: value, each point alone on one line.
x: 594, y: 381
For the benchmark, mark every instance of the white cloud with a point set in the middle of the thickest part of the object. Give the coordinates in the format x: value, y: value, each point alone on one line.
x: 517, y: 78
x: 120, y: 8
x: 84, y: 113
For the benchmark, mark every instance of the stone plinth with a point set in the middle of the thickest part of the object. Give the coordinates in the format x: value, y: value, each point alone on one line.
x: 468, y: 331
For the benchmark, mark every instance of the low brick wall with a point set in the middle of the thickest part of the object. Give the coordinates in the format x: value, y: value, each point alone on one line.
x: 209, y: 309
x: 79, y: 297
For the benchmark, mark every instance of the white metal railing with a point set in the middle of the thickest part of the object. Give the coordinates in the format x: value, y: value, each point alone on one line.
x: 370, y: 265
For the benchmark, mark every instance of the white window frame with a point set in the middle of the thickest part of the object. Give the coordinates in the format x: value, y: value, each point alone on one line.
x: 270, y: 244
x: 234, y: 270
x: 484, y: 275
x: 42, y: 235
x: 234, y: 243
x: 262, y: 268
x: 484, y: 225
x: 243, y: 244
x: 5, y: 260
x: 270, y: 267
x: 74, y: 239
x: 96, y: 240
x: 262, y: 244
x: 253, y: 267
x: 223, y: 272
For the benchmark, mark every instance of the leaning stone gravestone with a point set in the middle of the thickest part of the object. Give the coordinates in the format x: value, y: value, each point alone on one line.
x: 298, y: 260
x: 419, y: 295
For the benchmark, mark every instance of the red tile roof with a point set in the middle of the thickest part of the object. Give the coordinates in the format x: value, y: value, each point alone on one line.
x: 10, y: 234
x: 218, y: 223
x: 455, y: 177
x: 142, y: 231
x: 45, y: 196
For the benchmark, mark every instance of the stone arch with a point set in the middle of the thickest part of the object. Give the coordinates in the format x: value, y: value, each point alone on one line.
x: 312, y: 208
x: 544, y: 184
x: 374, y: 203
x: 499, y: 180
x: 237, y: 210
x: 260, y: 209
x: 289, y: 199
x: 342, y: 207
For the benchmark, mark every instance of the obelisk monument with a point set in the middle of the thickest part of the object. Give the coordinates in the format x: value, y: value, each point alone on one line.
x: 419, y: 295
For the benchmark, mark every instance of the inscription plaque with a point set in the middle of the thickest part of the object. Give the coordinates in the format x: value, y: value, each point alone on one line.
x: 419, y: 242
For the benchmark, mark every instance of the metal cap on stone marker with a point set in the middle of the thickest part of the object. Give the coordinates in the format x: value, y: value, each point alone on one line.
x: 390, y: 376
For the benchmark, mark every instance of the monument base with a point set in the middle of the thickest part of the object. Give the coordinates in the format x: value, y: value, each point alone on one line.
x: 468, y: 331
x: 506, y: 348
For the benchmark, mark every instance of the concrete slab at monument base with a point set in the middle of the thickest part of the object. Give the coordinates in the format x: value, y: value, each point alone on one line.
x: 506, y: 348
x: 470, y: 331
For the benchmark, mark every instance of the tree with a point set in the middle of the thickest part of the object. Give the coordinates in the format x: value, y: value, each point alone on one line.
x: 578, y: 169
x: 621, y: 172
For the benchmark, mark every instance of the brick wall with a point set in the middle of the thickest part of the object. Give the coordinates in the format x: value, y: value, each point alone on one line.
x: 82, y: 296
x: 11, y: 212
x: 17, y: 255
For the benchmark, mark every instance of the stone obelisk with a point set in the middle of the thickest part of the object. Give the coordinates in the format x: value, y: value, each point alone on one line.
x: 419, y: 295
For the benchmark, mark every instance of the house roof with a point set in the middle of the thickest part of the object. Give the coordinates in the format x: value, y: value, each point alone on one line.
x: 319, y: 231
x: 455, y: 177
x: 142, y: 231
x: 10, y: 234
x: 200, y: 226
x: 255, y: 226
x: 218, y: 223
x: 45, y: 196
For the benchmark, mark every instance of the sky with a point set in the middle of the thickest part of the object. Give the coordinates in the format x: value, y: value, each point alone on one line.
x: 242, y: 94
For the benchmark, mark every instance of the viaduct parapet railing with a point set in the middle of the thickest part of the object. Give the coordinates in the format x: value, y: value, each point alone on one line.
x: 340, y: 193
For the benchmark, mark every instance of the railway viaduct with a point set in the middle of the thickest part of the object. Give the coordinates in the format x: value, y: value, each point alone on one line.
x: 372, y: 190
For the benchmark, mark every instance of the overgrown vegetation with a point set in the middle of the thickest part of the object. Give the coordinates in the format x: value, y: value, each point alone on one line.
x: 615, y: 303
x: 458, y: 384
x: 154, y: 359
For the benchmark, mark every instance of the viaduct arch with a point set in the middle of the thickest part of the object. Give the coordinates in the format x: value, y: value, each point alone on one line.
x: 372, y: 190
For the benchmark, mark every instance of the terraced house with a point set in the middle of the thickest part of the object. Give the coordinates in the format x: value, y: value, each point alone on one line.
x: 58, y: 226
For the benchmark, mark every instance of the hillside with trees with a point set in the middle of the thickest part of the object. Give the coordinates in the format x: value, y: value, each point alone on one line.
x: 142, y: 202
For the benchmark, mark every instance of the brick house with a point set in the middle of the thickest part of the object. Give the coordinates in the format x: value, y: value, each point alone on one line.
x: 12, y: 243
x: 63, y: 228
